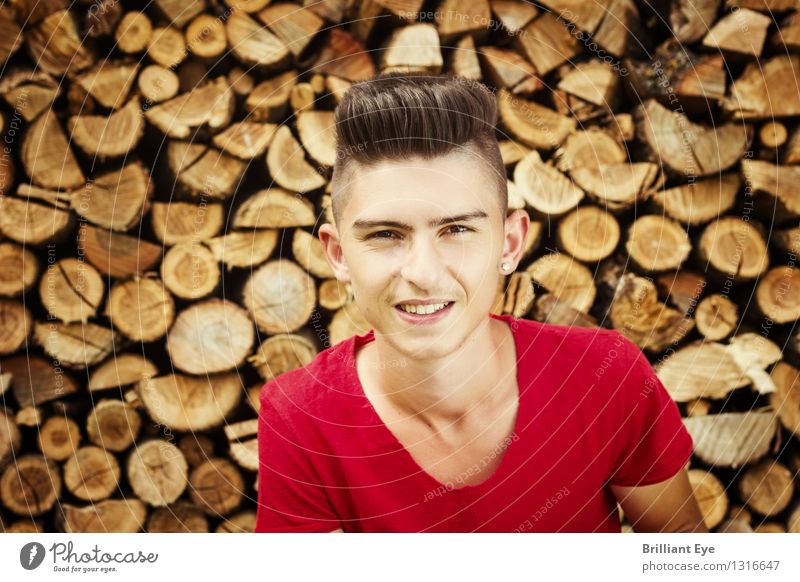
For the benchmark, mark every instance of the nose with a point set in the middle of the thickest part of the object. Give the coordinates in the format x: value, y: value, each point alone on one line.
x: 421, y: 264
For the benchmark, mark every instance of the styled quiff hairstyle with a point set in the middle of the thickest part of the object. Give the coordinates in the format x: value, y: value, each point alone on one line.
x: 396, y: 116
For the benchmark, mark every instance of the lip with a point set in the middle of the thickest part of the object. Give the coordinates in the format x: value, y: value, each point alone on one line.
x: 424, y: 319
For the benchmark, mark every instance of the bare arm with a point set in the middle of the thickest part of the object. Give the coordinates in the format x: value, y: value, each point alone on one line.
x: 668, y: 506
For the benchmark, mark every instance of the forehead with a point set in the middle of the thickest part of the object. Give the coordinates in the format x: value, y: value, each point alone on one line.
x: 417, y: 189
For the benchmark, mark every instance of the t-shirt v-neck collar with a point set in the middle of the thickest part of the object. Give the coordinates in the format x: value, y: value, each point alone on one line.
x: 507, y: 459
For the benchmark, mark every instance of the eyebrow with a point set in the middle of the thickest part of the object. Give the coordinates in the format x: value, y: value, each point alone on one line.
x: 469, y: 216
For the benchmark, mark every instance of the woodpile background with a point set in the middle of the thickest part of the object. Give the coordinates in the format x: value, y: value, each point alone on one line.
x: 165, y: 166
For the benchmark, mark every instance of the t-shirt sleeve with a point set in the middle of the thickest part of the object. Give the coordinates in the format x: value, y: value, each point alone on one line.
x: 291, y: 497
x: 653, y: 443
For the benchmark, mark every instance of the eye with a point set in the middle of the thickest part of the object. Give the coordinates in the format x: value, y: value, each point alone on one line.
x: 381, y: 232
x: 466, y: 228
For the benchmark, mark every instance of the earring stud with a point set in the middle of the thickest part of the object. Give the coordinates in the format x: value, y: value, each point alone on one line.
x: 505, y: 266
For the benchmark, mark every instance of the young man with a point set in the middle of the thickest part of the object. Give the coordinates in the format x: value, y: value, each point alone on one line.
x: 445, y: 417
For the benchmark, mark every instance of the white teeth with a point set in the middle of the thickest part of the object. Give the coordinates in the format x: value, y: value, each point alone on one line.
x: 423, y: 309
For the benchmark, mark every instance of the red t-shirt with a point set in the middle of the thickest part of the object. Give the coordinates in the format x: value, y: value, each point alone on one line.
x: 591, y: 412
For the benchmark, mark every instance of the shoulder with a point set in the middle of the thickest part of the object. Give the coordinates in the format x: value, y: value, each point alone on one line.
x: 309, y: 392
x: 578, y: 345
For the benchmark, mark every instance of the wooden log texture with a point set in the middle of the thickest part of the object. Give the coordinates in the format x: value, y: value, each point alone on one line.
x: 168, y: 166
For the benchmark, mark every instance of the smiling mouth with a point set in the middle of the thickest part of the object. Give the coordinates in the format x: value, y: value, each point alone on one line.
x: 424, y: 315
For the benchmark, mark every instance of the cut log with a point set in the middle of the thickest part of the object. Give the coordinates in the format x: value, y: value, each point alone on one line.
x: 111, y: 515
x: 656, y: 243
x: 711, y: 370
x: 308, y: 251
x: 568, y: 280
x: 190, y: 403
x: 246, y: 140
x: 287, y: 165
x: 209, y: 337
x: 122, y: 370
x: 29, y: 91
x: 217, y: 486
x: 167, y: 47
x: 254, y: 45
x: 767, y: 487
x: 716, y: 317
x: 734, y: 247
x: 742, y: 32
x: 778, y: 294
x: 243, y: 522
x: 109, y: 84
x: 317, y: 132
x: 274, y: 208
x: 37, y: 380
x: 108, y: 137
x: 544, y: 188
x: 786, y: 398
x: 206, y: 37
x: 59, y: 437
x: 280, y: 296
x: 414, y: 47
x: 593, y: 81
x: 507, y: 69
x: 517, y: 296
x: 18, y: 269
x: 133, y: 32
x: 589, y: 234
x: 30, y: 486
x: 77, y: 345
x: 204, y: 172
x: 91, y: 474
x: 700, y: 201
x: 140, y: 308
x: 332, y: 294
x: 208, y: 106
x: 244, y: 249
x: 158, y: 472
x: 56, y: 45
x: 346, y: 322
x: 47, y: 157
x: 113, y: 424
x: 778, y: 184
x: 549, y: 309
x: 180, y: 517
x: 190, y: 271
x: 639, y: 315
x: 179, y: 222
x: 547, y: 43
x: 157, y: 84
x: 761, y: 91
x: 532, y: 124
x: 686, y: 148
x: 31, y: 223
x: 268, y: 100
x: 116, y: 254
x: 71, y: 290
x: 15, y: 326
x: 116, y: 199
x: 710, y: 496
x: 282, y: 353
x: 618, y: 186
x: 690, y: 20
x: 732, y: 439
x: 197, y: 448
x: 295, y: 27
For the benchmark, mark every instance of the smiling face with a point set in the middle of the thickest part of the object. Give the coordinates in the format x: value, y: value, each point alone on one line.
x: 424, y: 231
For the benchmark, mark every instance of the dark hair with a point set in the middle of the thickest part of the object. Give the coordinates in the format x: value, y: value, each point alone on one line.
x: 399, y: 115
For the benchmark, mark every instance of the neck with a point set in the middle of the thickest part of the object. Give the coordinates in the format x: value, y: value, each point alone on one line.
x: 443, y: 391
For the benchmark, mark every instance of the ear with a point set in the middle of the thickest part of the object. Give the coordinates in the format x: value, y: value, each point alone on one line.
x: 517, y: 225
x: 329, y: 237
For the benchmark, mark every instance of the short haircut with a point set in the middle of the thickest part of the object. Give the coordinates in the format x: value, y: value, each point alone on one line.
x: 400, y: 115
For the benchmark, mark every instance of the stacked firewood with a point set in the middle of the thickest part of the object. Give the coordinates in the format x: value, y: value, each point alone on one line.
x: 165, y: 166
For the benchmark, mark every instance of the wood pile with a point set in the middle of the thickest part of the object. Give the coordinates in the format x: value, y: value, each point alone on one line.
x: 165, y: 165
